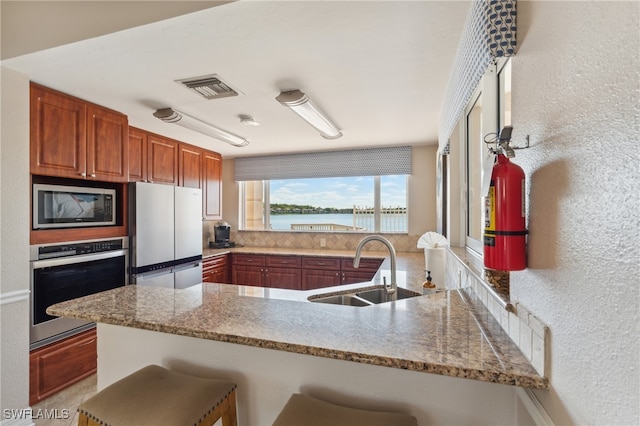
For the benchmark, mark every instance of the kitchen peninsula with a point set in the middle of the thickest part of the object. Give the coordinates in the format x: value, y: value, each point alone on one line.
x: 274, y: 342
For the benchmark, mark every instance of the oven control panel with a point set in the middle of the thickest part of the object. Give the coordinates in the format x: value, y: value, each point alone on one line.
x: 78, y: 248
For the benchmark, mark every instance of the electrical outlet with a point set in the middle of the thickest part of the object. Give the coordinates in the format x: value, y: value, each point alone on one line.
x: 323, y: 242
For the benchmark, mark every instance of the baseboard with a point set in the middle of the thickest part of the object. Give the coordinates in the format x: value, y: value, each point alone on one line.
x: 534, y: 408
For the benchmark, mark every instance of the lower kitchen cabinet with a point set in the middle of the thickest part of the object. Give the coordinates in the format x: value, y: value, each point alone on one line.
x: 266, y: 271
x: 59, y: 365
x: 317, y: 278
x: 215, y: 269
x: 288, y: 278
x: 299, y: 272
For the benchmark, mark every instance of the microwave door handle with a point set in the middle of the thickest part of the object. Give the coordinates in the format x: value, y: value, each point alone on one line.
x: 69, y: 260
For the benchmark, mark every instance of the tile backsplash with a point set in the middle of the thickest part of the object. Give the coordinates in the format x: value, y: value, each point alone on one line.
x: 311, y: 240
x: 526, y: 331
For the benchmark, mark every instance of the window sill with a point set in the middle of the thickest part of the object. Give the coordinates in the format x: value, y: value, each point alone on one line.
x: 474, y: 265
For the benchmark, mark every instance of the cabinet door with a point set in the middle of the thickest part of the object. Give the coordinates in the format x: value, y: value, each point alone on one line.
x: 58, y: 134
x: 162, y: 160
x: 318, y: 278
x: 59, y: 365
x: 287, y: 278
x: 357, y: 277
x: 190, y: 166
x: 212, y: 185
x: 247, y: 275
x: 137, y: 155
x: 107, y: 145
x: 215, y: 269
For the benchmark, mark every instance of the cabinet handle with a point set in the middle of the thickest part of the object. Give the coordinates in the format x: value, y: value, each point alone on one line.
x: 83, y: 174
x: 79, y: 345
x: 93, y: 175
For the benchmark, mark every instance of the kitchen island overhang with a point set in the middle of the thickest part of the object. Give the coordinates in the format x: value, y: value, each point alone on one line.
x: 449, y: 333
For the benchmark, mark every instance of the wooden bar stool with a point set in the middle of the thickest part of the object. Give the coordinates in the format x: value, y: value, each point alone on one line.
x: 303, y: 410
x: 155, y: 396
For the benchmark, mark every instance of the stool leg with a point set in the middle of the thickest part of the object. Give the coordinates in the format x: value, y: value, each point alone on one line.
x: 229, y: 417
x: 83, y: 420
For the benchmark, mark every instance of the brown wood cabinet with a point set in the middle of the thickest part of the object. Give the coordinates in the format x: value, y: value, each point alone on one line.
x: 212, y: 185
x: 137, y: 155
x: 320, y: 272
x: 366, y: 271
x: 158, y: 159
x: 318, y: 278
x: 190, y: 166
x: 247, y: 269
x: 266, y: 271
x: 300, y: 272
x: 59, y: 365
x: 162, y: 160
x: 76, y: 139
x: 215, y: 269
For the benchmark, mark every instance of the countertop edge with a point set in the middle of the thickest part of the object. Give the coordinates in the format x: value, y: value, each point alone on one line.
x: 506, y: 378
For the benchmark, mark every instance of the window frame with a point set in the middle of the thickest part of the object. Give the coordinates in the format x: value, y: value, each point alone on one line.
x: 266, y: 208
x: 493, y: 113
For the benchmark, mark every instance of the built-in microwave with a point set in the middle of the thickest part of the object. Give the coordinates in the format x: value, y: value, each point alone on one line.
x: 61, y: 206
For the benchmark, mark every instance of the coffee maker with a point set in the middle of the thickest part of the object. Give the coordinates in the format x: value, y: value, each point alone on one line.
x: 221, y: 233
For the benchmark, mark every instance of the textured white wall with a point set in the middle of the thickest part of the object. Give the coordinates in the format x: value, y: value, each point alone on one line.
x: 575, y: 91
x: 14, y: 240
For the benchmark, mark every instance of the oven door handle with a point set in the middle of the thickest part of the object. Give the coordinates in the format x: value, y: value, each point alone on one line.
x: 69, y: 260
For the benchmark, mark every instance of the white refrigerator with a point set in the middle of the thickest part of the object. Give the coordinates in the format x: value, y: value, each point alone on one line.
x: 166, y: 235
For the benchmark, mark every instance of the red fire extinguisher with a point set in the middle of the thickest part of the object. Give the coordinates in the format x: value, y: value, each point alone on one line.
x: 505, y: 233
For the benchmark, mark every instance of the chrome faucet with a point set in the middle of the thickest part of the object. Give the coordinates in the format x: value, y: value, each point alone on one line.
x: 392, y: 288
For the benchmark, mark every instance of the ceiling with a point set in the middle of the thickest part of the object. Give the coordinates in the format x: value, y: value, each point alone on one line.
x: 378, y: 69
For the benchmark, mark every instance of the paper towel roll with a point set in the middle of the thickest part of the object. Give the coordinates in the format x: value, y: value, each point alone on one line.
x: 435, y: 260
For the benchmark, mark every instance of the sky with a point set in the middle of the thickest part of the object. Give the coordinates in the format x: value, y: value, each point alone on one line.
x: 344, y: 192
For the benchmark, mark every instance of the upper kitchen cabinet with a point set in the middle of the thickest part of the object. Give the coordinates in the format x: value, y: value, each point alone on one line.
x: 154, y: 158
x: 77, y: 139
x: 162, y: 159
x: 212, y: 185
x: 190, y: 166
x: 137, y: 155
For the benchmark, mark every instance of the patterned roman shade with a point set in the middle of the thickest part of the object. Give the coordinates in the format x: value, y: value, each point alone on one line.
x: 489, y: 33
x: 357, y: 162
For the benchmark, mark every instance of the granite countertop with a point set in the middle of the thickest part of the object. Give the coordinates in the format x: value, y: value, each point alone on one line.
x: 448, y: 333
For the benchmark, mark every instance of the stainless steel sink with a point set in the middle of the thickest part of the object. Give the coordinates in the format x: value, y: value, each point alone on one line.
x: 379, y: 295
x: 342, y: 299
x: 368, y: 297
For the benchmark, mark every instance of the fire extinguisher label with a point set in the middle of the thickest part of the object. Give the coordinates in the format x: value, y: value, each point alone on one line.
x: 490, y: 217
x: 490, y: 209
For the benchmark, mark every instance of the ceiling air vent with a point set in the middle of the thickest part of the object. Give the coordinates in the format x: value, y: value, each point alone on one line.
x: 209, y: 87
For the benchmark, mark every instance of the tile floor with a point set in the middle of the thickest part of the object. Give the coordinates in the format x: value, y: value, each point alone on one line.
x: 67, y: 399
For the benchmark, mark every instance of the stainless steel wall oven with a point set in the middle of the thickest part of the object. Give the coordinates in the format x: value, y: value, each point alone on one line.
x: 66, y: 271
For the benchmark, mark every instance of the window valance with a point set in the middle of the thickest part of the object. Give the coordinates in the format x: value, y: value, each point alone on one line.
x: 489, y: 33
x: 357, y: 162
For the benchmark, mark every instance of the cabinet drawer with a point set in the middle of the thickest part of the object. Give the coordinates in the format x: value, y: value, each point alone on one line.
x: 327, y: 263
x: 283, y: 261
x: 214, y: 262
x: 248, y: 259
x: 368, y: 263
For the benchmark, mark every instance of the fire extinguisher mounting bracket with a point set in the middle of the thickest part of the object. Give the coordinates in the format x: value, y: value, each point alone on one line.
x: 502, y: 142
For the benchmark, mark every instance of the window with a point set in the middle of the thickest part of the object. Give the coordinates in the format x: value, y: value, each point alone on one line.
x: 475, y: 153
x: 357, y: 204
x: 488, y: 111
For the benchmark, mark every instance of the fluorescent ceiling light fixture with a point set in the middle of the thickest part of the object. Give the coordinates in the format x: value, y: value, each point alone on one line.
x: 170, y: 115
x: 302, y: 105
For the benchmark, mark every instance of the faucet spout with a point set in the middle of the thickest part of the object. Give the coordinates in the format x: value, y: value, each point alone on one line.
x: 392, y: 288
